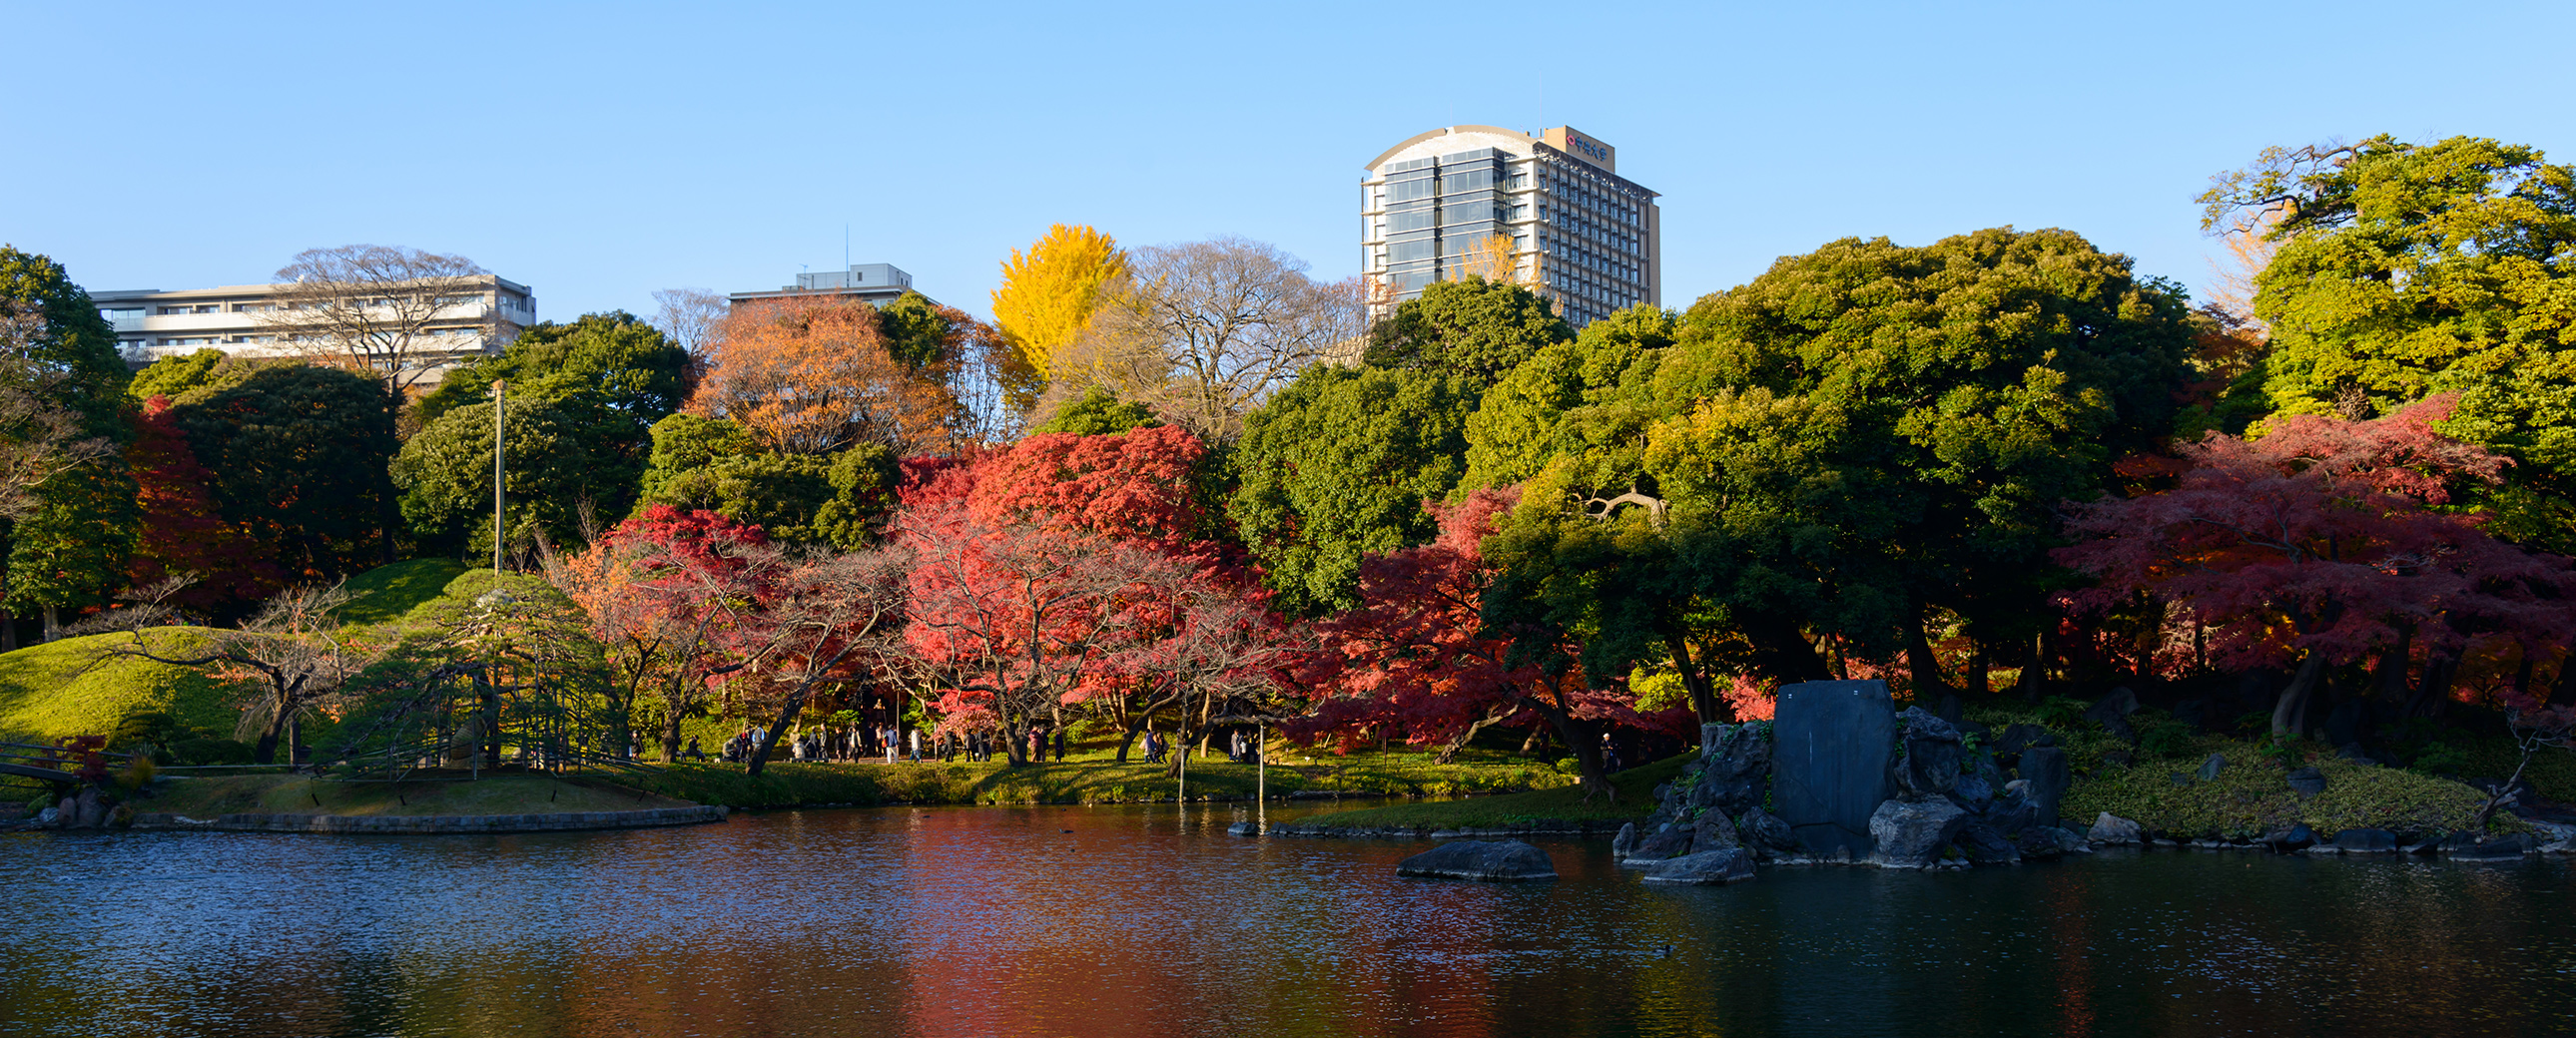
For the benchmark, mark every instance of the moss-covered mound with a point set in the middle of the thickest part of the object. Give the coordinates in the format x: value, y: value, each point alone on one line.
x: 386, y: 593
x: 74, y: 687
x: 2251, y: 796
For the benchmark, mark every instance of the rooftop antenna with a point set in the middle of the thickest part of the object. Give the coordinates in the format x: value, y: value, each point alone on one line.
x: 845, y: 245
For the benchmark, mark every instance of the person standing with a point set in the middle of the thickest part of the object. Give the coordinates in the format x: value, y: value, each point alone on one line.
x: 916, y: 745
x: 1059, y: 745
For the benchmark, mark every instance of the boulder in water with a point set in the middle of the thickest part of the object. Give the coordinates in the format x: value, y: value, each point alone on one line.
x: 1725, y: 865
x: 1672, y: 841
x: 2044, y: 767
x: 1494, y: 860
x: 1913, y: 834
x: 1626, y: 840
x: 2111, y: 828
x: 1765, y: 832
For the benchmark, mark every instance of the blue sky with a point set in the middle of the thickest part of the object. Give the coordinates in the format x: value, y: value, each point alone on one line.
x: 599, y: 152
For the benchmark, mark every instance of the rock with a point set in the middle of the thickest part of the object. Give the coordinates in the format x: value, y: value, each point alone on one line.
x: 2018, y: 788
x: 1947, y: 709
x: 2290, y: 839
x: 89, y: 810
x: 1912, y: 834
x: 2210, y: 768
x: 2112, y: 713
x: 2353, y: 751
x: 48, y: 816
x: 1500, y: 860
x: 1765, y: 832
x: 1986, y: 846
x: 1830, y: 749
x: 2365, y: 841
x: 1668, y: 843
x: 2111, y: 828
x: 1243, y: 829
x: 2500, y: 849
x: 1711, y: 831
x: 2044, y: 767
x: 1930, y: 764
x: 2307, y: 782
x: 1973, y: 793
x: 1735, y: 770
x: 1725, y: 865
x: 2020, y: 737
x: 1627, y: 838
x: 1709, y: 736
x: 2042, y: 842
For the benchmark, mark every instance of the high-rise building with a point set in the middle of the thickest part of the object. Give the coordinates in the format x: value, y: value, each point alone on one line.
x: 878, y: 283
x: 1549, y: 211
x: 473, y: 316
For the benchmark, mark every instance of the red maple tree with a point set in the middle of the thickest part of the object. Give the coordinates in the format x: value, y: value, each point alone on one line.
x: 1417, y: 660
x: 2324, y: 542
x: 183, y: 533
x: 674, y: 596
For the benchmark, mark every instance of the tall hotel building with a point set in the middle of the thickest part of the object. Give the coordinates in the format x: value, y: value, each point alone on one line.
x: 1448, y: 203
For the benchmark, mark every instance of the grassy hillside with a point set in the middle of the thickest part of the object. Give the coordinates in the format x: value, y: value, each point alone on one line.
x: 387, y: 592
x: 1636, y: 788
x: 71, y: 687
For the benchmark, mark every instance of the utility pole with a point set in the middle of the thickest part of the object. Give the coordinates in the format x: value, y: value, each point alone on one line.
x: 499, y: 528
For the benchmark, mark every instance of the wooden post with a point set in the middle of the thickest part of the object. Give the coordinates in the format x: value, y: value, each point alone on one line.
x: 500, y: 529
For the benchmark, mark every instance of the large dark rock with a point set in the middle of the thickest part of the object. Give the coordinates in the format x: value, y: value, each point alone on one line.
x: 1765, y: 832
x: 1711, y: 831
x: 2112, y: 713
x: 1670, y: 842
x: 1986, y: 845
x: 1734, y: 768
x: 1912, y: 834
x: 1499, y: 860
x: 2210, y: 768
x: 1725, y: 865
x: 2045, y: 768
x: 2503, y: 848
x: 2366, y: 841
x: 2290, y: 839
x: 1621, y: 844
x: 1831, y: 743
x: 1930, y: 764
x: 2347, y: 723
x: 2017, y: 738
x: 2307, y: 782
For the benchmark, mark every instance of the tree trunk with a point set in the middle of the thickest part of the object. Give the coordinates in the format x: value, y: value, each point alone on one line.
x: 2034, y: 671
x: 1923, y: 670
x: 8, y: 633
x: 2435, y: 690
x: 1449, y: 750
x: 1780, y: 651
x: 786, y: 716
x: 2289, y: 713
x: 1537, y: 732
x: 487, y: 700
x: 1980, y: 680
x: 1584, y: 740
x: 53, y: 623
x: 1703, y: 697
x: 671, y: 736
x: 2388, y: 675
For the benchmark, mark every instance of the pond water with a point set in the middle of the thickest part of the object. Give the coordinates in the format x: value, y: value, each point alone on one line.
x: 1143, y: 921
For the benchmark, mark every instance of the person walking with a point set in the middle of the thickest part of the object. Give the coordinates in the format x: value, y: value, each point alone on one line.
x: 1059, y: 745
x: 886, y: 738
x: 916, y: 745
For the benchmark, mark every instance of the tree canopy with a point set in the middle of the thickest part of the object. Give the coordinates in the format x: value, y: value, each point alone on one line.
x: 1473, y: 328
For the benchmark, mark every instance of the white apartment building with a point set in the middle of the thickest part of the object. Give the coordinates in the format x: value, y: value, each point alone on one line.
x: 478, y: 316
x: 1433, y: 207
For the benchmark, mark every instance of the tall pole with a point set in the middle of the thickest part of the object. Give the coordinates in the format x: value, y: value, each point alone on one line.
x: 499, y: 528
x: 1261, y: 778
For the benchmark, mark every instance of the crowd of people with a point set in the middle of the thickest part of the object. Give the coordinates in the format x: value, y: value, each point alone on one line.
x: 890, y: 744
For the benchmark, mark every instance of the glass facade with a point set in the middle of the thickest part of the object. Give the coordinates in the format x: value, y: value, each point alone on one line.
x: 1582, y: 236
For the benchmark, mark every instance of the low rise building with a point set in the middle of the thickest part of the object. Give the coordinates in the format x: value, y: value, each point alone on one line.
x: 473, y: 316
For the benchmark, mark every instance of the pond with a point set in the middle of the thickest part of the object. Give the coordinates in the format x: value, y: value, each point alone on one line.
x: 1143, y: 921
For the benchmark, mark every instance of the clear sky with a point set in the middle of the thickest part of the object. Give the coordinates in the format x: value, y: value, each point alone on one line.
x: 599, y: 152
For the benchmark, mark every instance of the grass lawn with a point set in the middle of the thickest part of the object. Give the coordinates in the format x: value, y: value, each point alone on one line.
x: 69, y: 688
x: 1087, y: 779
x: 1636, y: 799
x: 299, y: 795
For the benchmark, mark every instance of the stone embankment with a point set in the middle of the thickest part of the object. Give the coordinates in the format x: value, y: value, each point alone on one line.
x: 419, y: 824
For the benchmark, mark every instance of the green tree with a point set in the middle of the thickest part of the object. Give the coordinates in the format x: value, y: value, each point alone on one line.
x: 1860, y: 438
x: 683, y: 442
x: 183, y: 375
x: 1338, y: 465
x: 917, y: 331
x: 71, y: 548
x: 1531, y: 415
x: 780, y: 493
x: 557, y: 489
x: 299, y: 458
x: 1098, y: 413
x: 627, y: 365
x: 1474, y: 328
x: 2405, y: 270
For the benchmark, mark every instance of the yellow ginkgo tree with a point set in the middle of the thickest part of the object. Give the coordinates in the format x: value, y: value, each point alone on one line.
x: 1050, y: 291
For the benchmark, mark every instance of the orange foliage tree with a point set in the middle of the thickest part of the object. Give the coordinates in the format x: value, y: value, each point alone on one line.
x: 814, y: 376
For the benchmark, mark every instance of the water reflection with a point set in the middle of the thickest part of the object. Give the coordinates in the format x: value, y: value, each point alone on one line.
x: 1139, y: 921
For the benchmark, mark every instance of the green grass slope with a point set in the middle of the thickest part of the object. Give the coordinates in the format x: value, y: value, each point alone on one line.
x: 71, y: 687
x: 386, y: 593
x: 1636, y: 799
